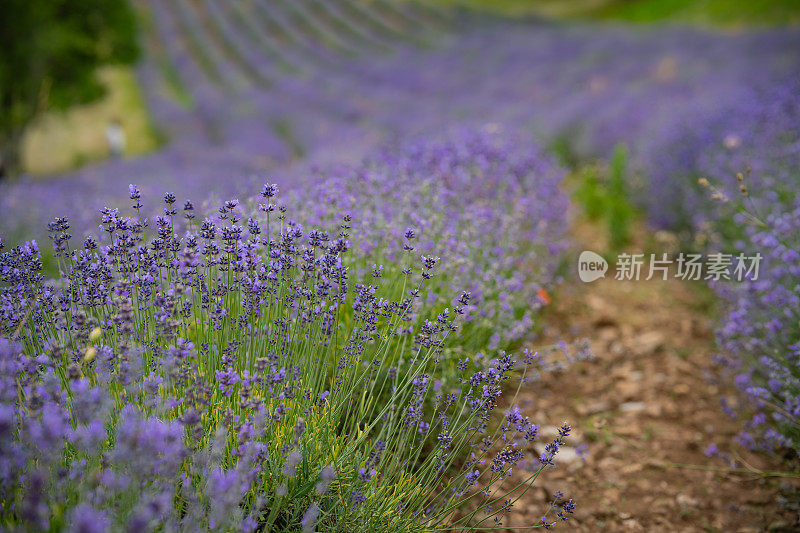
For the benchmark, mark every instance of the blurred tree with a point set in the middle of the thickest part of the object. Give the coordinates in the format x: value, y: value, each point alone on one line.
x: 49, y: 54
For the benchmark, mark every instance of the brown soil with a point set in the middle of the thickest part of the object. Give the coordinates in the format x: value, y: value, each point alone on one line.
x: 647, y: 401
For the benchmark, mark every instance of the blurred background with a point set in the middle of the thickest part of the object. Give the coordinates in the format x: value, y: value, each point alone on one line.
x: 72, y: 70
x: 197, y: 97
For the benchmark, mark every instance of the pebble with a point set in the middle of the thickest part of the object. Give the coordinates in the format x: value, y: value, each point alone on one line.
x: 632, y: 407
x: 686, y: 501
x: 648, y: 342
x: 681, y: 388
x: 593, y: 408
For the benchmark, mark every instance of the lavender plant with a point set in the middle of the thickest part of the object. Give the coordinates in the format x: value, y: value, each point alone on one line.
x: 490, y: 204
x: 760, y: 331
x: 234, y: 377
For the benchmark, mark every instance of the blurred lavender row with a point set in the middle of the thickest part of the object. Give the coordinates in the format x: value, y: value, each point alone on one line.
x: 254, y: 88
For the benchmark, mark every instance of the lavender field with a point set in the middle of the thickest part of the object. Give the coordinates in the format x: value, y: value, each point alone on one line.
x: 348, y: 293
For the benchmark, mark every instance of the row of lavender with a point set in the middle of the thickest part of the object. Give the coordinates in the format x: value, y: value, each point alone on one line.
x: 739, y: 164
x: 249, y: 370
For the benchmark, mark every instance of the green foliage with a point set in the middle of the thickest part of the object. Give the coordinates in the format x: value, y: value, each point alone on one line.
x: 721, y: 12
x: 620, y: 211
x: 51, y: 51
x: 283, y: 129
x: 561, y: 146
x: 590, y: 193
x: 713, y: 12
x: 603, y: 195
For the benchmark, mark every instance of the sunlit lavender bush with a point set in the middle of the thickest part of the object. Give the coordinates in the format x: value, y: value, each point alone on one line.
x: 491, y: 206
x: 235, y: 377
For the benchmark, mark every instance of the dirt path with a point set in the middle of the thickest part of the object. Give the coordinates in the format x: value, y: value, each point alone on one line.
x: 648, y: 399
